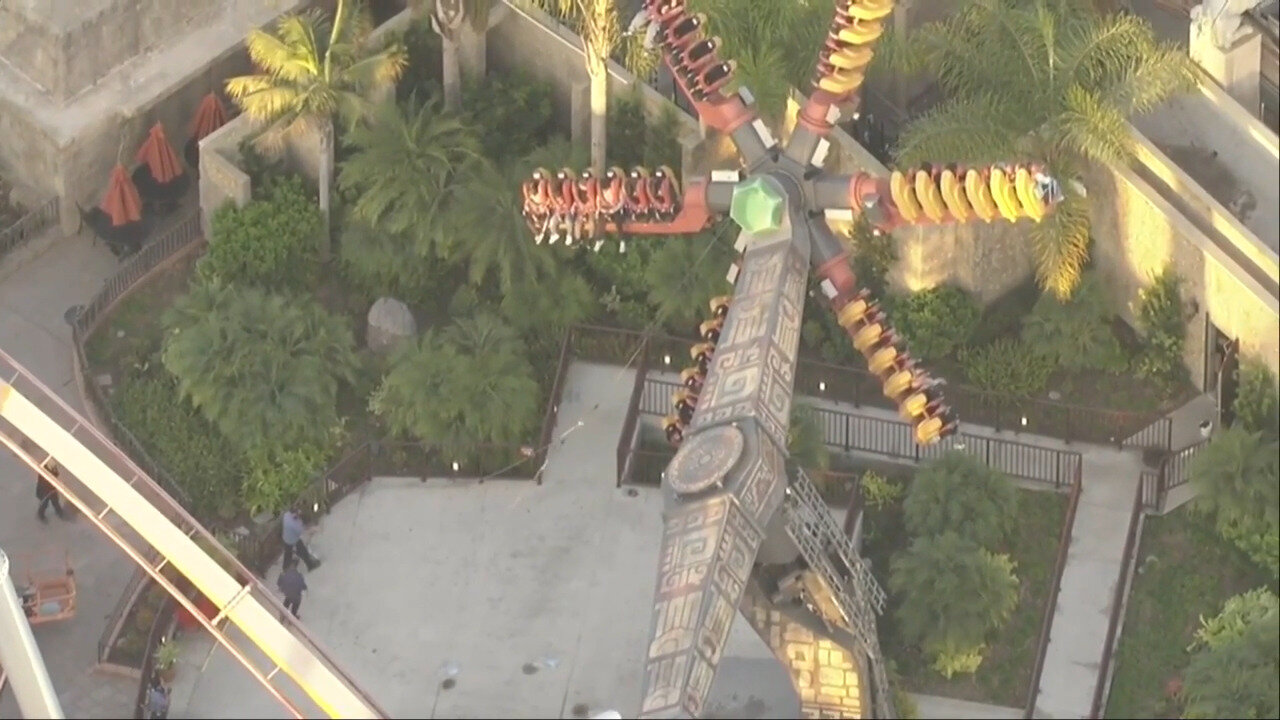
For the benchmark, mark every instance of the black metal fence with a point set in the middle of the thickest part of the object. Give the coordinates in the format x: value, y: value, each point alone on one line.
x: 28, y: 226
x: 852, y: 432
x: 1173, y: 471
x: 161, y: 630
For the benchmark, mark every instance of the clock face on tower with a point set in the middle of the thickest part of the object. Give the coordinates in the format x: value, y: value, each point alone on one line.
x: 704, y: 461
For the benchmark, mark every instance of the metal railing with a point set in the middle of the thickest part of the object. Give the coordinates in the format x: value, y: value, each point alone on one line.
x: 1173, y: 471
x: 851, y: 432
x: 627, y: 439
x: 1118, y: 603
x: 161, y: 630
x: 1051, y: 603
x: 138, y: 584
x: 28, y: 226
x: 184, y: 235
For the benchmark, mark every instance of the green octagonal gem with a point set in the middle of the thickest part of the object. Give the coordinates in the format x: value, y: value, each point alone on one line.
x: 758, y: 205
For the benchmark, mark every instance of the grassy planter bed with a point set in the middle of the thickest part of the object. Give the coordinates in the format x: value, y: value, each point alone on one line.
x: 1005, y: 673
x: 1184, y: 571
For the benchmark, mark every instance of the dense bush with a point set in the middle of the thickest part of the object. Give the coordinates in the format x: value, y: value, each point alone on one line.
x: 277, y: 476
x: 187, y: 447
x: 269, y: 243
x: 262, y: 367
x: 635, y: 140
x: 874, y: 254
x: 1164, y: 330
x: 469, y: 384
x: 512, y: 113
x: 1257, y: 403
x: 1006, y: 367
x: 959, y: 493
x: 685, y: 272
x: 806, y: 445
x: 423, y: 76
x: 936, y: 321
x: 1235, y: 661
x: 1075, y: 334
x: 953, y: 595
x: 1237, y: 479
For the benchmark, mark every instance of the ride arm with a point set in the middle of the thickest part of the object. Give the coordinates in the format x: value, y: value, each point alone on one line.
x: 923, y: 196
x: 702, y: 75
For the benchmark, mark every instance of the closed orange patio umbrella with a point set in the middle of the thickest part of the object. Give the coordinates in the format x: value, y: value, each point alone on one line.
x: 209, y: 117
x: 121, y: 202
x: 158, y: 154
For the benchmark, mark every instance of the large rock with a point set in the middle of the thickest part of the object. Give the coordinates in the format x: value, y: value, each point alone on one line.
x: 390, y: 323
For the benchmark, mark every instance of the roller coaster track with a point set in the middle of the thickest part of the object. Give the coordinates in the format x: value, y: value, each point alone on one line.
x: 37, y: 426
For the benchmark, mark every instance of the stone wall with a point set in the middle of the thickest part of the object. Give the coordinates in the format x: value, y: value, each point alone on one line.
x: 1137, y: 235
x: 221, y: 179
x: 65, y: 48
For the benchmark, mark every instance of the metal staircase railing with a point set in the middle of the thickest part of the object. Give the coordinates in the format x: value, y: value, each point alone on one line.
x: 851, y: 585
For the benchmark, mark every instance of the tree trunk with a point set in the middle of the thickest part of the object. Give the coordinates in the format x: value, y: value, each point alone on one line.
x: 451, y: 73
x: 326, y: 185
x: 599, y: 119
x: 473, y: 48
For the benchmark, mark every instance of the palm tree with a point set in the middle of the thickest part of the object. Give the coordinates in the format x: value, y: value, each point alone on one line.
x: 597, y: 22
x: 407, y: 169
x: 774, y: 43
x: 1042, y: 80
x: 684, y: 272
x: 959, y: 493
x: 490, y: 235
x: 463, y: 26
x: 1235, y: 479
x: 953, y: 595
x: 258, y: 365
x: 312, y: 72
x: 469, y: 384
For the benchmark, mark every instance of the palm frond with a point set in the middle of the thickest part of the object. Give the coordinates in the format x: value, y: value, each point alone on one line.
x: 976, y: 129
x: 281, y: 58
x: 1094, y: 129
x: 1146, y: 83
x: 1061, y: 246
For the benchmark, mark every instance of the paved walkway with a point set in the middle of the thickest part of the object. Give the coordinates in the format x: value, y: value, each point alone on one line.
x: 33, y: 298
x: 538, y: 598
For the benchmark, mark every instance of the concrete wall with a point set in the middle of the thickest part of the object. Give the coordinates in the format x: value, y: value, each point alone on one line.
x: 1227, y: 150
x: 1138, y: 234
x: 66, y: 54
x: 221, y: 179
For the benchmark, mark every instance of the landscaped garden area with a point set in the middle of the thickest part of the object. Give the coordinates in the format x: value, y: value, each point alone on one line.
x: 967, y: 558
x: 1201, y: 637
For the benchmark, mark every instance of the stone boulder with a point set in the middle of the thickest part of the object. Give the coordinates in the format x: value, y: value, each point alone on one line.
x: 390, y: 323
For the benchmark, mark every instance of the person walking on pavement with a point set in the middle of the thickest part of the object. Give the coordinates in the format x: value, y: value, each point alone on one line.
x: 292, y: 584
x: 157, y: 700
x: 47, y: 494
x: 291, y: 527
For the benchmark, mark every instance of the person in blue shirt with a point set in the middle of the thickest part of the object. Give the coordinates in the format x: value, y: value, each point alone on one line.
x: 291, y: 527
x: 157, y: 701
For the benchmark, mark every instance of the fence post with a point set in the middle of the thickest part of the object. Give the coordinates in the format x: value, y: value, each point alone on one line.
x: 848, y: 431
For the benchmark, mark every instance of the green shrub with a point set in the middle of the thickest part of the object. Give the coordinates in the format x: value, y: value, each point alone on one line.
x: 1008, y: 367
x: 806, y: 445
x: 1076, y: 334
x: 1163, y: 326
x: 262, y: 367
x: 187, y: 447
x: 953, y: 595
x: 936, y: 321
x: 879, y: 491
x: 423, y: 76
x: 1257, y: 403
x: 465, y: 386
x: 635, y: 140
x: 958, y: 493
x: 277, y: 476
x: 261, y: 168
x: 874, y: 254
x: 511, y: 112
x: 1235, y: 663
x: 1235, y: 477
x: 269, y: 243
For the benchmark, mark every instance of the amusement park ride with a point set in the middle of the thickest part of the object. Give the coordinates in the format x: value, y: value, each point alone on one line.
x: 741, y: 533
